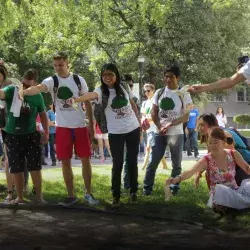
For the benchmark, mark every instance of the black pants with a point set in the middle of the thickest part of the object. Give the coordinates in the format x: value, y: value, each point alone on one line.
x: 117, y: 143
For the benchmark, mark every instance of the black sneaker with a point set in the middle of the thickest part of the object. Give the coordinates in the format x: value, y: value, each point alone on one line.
x: 116, y: 203
x: 44, y: 163
x: 68, y: 201
x: 147, y: 193
x: 53, y: 164
x: 174, y: 189
x: 133, y: 197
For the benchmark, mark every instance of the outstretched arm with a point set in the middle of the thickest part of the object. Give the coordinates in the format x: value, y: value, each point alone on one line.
x: 199, y: 166
x: 33, y: 90
x: 225, y: 83
x: 87, y: 97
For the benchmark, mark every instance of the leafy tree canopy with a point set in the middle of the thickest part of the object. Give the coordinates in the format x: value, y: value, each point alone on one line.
x: 205, y: 37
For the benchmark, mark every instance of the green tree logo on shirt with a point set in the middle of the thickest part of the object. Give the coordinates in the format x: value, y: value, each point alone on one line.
x: 118, y: 103
x: 166, y: 104
x: 64, y: 93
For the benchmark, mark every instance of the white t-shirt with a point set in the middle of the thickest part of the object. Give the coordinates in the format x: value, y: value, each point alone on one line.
x: 66, y: 115
x: 222, y: 120
x: 170, y: 108
x: 120, y: 116
x: 146, y: 108
x: 245, y: 70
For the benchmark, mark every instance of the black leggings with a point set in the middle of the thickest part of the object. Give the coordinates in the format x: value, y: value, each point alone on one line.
x: 117, y: 143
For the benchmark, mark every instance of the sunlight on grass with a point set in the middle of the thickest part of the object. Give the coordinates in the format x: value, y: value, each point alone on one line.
x: 189, y: 204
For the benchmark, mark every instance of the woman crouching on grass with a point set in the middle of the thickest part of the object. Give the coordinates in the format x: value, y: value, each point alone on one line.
x: 220, y: 166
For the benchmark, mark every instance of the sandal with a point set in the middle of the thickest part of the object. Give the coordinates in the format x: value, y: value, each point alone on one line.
x: 9, y: 197
x: 41, y: 202
x: 17, y: 201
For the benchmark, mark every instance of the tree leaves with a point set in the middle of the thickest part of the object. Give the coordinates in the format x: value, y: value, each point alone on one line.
x: 204, y: 37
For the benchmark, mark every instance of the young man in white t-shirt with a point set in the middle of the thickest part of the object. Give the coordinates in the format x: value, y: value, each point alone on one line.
x: 170, y: 109
x: 71, y: 129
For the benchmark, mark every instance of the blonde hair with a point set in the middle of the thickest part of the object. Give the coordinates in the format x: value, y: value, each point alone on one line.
x: 150, y: 85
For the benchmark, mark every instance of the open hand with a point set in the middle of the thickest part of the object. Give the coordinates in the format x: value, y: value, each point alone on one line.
x: 196, y: 89
x: 197, y: 180
x: 169, y: 181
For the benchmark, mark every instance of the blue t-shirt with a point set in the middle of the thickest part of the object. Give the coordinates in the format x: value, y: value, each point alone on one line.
x: 239, y: 143
x: 193, y: 115
x: 52, y: 117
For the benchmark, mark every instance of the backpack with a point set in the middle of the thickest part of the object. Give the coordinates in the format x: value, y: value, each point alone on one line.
x: 56, y: 84
x: 99, y: 114
x: 99, y: 110
x: 2, y: 117
x: 243, y: 138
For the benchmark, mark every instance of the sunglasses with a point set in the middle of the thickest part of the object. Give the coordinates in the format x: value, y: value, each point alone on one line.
x: 229, y: 140
x: 148, y: 90
x: 108, y: 75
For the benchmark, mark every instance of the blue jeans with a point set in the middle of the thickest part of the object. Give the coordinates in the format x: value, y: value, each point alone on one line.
x: 192, y: 142
x: 159, y: 144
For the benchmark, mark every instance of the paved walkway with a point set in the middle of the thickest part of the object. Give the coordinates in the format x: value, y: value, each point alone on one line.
x: 108, y: 161
x: 51, y: 229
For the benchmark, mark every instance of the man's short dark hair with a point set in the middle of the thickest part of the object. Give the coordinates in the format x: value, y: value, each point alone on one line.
x: 128, y: 78
x: 31, y: 74
x: 173, y: 68
x: 242, y: 60
x: 60, y: 55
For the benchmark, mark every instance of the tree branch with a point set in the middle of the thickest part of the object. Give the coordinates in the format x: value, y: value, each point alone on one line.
x: 103, y: 47
x: 121, y: 14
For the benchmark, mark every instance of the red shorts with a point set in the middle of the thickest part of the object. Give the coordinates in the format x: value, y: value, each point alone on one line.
x: 66, y: 138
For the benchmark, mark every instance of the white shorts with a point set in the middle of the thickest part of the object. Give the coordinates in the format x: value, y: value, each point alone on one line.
x: 102, y: 136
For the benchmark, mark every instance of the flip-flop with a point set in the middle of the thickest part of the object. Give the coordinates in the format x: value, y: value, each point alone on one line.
x: 17, y: 202
x: 7, y: 200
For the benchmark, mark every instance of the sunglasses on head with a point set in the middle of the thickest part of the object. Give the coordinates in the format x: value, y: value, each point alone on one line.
x: 229, y: 140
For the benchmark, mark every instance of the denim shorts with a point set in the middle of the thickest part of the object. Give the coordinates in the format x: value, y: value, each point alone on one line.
x: 151, y: 139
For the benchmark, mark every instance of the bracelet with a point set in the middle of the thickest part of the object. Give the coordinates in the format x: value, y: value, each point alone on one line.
x: 179, y: 177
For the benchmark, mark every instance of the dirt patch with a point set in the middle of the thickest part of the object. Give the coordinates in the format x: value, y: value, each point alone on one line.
x: 57, y: 228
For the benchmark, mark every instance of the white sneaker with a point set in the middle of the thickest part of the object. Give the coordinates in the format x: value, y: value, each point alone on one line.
x: 41, y: 202
x: 91, y: 199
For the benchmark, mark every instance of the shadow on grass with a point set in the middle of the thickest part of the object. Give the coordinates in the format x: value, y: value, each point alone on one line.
x: 188, y: 205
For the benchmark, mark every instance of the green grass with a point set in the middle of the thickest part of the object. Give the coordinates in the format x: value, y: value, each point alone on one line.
x: 189, y: 204
x: 245, y: 133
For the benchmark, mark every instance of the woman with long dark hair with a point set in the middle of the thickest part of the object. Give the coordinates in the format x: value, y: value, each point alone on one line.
x: 123, y: 123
